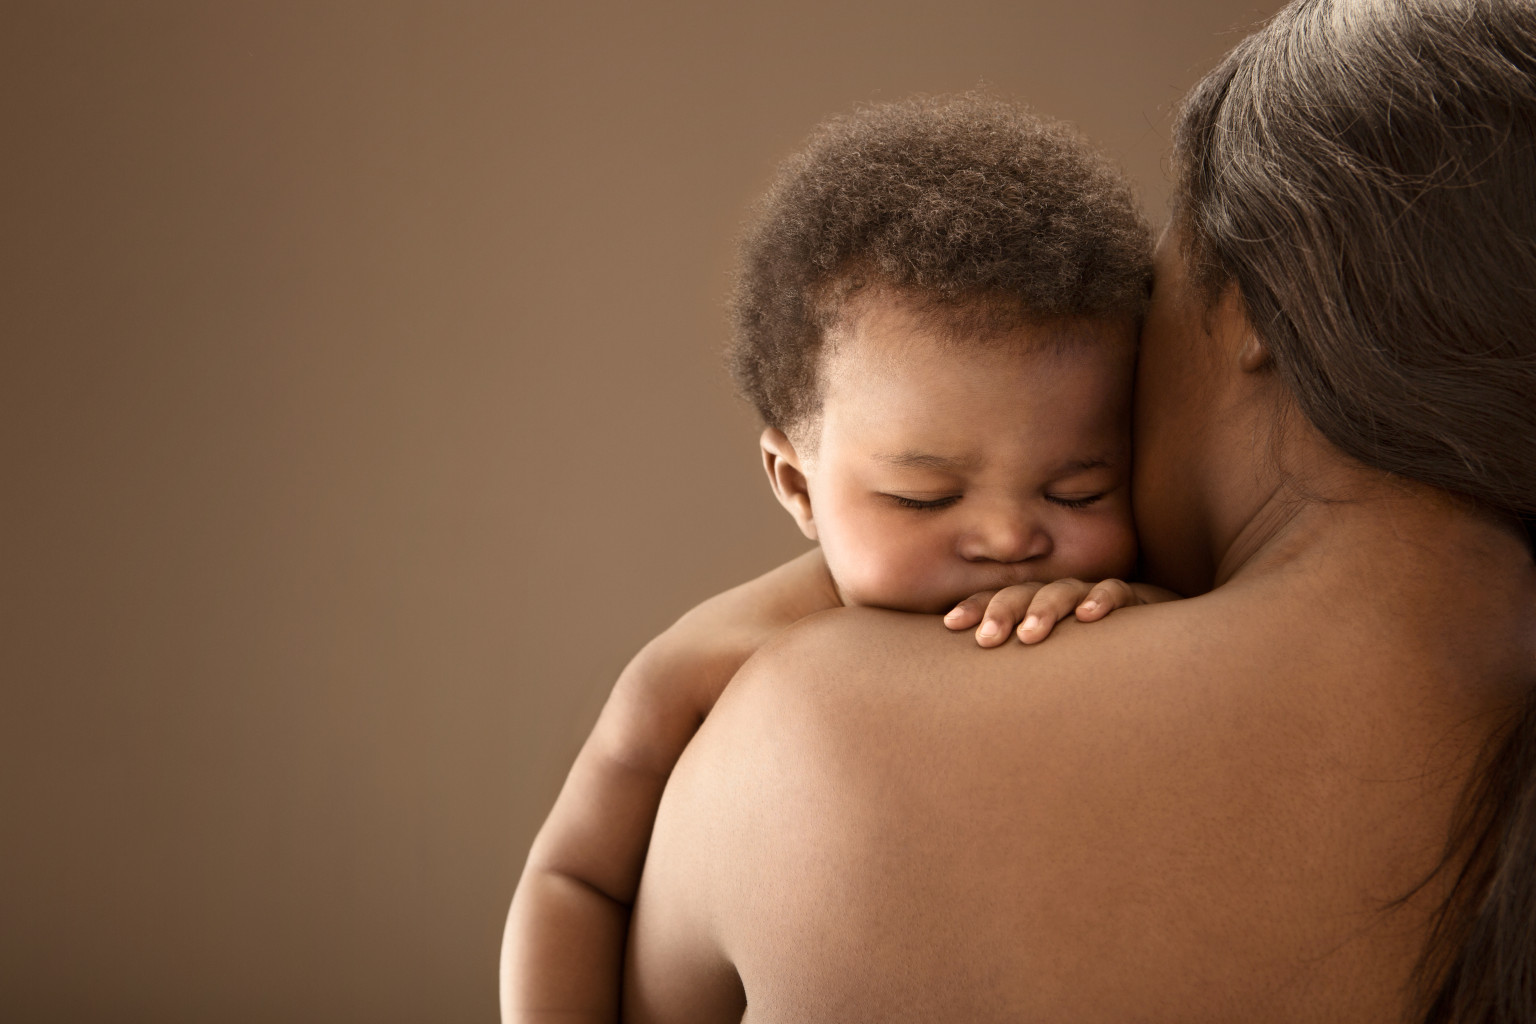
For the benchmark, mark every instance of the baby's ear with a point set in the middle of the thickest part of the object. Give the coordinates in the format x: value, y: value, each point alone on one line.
x: 787, y: 478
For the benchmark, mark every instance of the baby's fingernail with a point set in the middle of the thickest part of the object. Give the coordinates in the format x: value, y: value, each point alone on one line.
x: 1031, y: 622
x: 1091, y: 604
x: 953, y: 612
x: 988, y: 628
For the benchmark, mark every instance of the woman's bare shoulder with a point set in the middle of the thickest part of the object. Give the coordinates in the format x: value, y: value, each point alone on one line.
x: 886, y: 813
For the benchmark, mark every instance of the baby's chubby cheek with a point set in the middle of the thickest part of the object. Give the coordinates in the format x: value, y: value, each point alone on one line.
x: 1108, y: 552
x: 900, y: 581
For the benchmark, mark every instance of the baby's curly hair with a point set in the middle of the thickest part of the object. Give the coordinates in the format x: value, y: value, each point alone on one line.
x: 988, y: 217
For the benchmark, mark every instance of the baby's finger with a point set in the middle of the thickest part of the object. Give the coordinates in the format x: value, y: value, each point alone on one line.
x: 968, y: 612
x: 1006, y: 608
x: 1052, y: 603
x: 1105, y: 597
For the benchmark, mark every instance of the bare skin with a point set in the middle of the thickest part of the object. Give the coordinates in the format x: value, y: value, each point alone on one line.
x: 566, y: 930
x: 1200, y: 810
x: 937, y: 469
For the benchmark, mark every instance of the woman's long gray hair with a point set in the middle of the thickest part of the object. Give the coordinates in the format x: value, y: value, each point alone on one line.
x: 1365, y: 172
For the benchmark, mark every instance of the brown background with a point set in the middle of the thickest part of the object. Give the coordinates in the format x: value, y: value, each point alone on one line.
x: 360, y: 414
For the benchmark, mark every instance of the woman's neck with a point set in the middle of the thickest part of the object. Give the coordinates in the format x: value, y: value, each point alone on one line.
x: 1405, y: 556
x: 1350, y: 510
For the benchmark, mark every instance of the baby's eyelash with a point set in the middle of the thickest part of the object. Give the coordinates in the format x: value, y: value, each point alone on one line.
x: 1074, y: 502
x: 915, y: 503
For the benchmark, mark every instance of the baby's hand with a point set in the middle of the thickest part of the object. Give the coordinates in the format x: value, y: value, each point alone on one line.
x: 1036, y: 607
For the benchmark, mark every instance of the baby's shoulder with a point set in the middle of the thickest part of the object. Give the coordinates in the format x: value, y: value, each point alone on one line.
x: 753, y: 611
x: 725, y: 630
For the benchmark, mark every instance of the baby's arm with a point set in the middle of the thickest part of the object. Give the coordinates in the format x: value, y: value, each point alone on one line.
x: 1036, y: 607
x: 562, y: 957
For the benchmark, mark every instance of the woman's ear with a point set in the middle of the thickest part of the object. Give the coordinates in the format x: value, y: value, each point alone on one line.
x: 1253, y: 355
x: 787, y: 479
x: 1230, y: 314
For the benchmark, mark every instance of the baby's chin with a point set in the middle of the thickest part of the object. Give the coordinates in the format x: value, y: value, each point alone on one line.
x: 919, y: 607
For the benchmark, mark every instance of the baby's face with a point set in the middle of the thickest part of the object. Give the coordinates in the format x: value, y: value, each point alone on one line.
x: 945, y: 468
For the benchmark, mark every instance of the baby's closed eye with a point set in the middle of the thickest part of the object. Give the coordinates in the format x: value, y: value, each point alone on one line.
x: 924, y: 503
x: 1074, y: 501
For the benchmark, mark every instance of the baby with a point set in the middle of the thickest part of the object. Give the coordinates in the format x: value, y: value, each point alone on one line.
x: 936, y: 315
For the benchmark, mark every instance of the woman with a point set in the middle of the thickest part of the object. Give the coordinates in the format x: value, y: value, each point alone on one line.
x: 1306, y: 793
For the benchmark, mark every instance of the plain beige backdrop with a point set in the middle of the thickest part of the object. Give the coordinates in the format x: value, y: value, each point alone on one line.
x: 361, y: 413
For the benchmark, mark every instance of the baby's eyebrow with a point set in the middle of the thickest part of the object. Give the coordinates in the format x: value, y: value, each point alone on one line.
x: 925, y: 460
x: 1082, y: 466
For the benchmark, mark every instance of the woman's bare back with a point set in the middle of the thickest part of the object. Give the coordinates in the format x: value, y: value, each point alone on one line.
x: 1211, y: 809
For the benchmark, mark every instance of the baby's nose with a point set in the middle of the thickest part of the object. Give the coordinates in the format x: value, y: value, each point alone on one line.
x: 1005, y: 538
